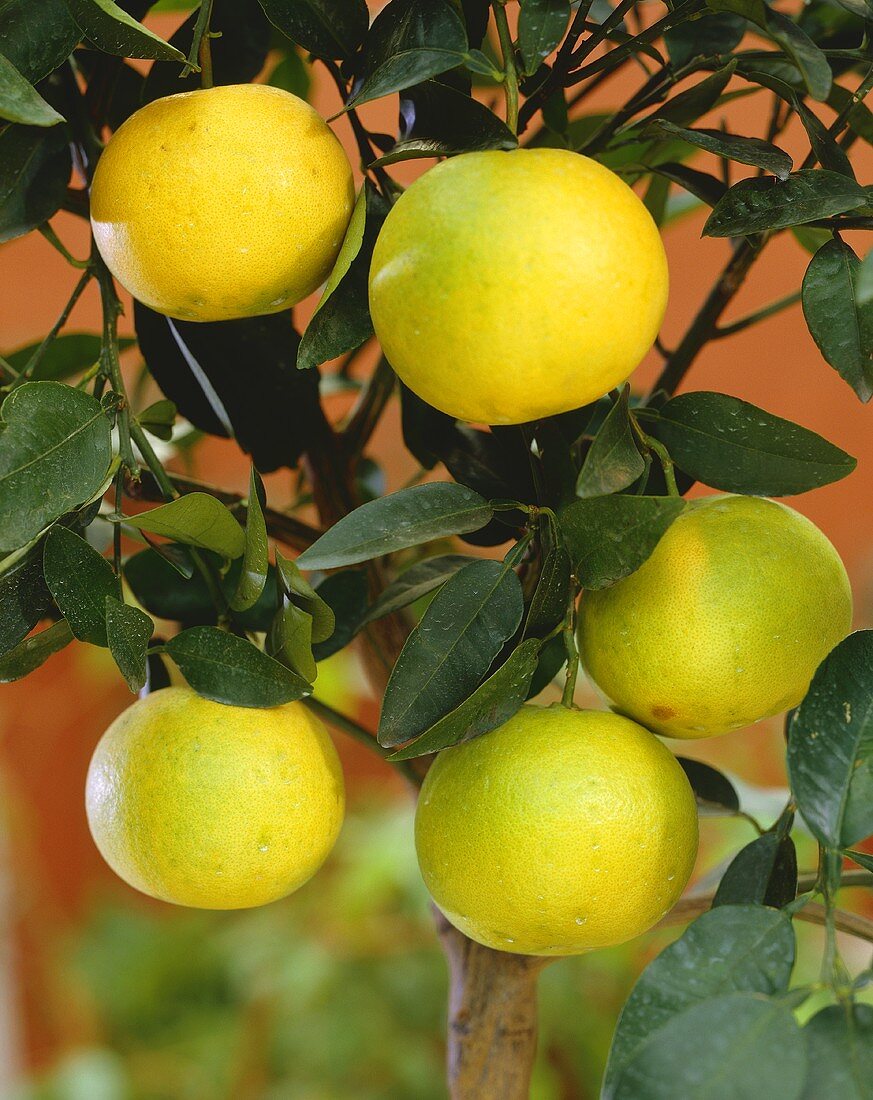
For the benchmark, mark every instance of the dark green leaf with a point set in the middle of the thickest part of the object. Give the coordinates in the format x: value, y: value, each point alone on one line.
x: 21, y: 102
x: 346, y: 594
x: 734, y: 948
x: 80, y: 580
x: 714, y: 792
x: 451, y: 649
x: 24, y: 598
x: 491, y: 704
x: 298, y: 589
x: 290, y: 640
x: 734, y: 1045
x: 712, y: 35
x: 159, y: 418
x: 55, y: 450
x: 732, y: 445
x: 840, y: 323
x: 34, y: 651
x: 292, y: 75
x: 65, y: 356
x: 256, y: 557
x: 417, y: 581
x: 406, y: 518
x: 410, y: 41
x: 196, y: 519
x: 830, y: 746
x: 36, y: 38
x: 341, y: 321
x: 762, y: 873
x: 113, y: 31
x: 231, y: 670
x: 746, y: 150
x: 552, y: 658
x: 754, y: 205
x: 699, y: 184
x: 688, y: 106
x: 35, y: 168
x: 326, y: 28
x: 541, y: 26
x: 610, y: 537
x: 839, y: 1047
x: 830, y: 155
x: 128, y: 631
x: 863, y: 859
x: 613, y: 461
x: 549, y: 604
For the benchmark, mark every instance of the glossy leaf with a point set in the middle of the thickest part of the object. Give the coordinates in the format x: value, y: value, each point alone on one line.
x: 53, y: 437
x: 734, y: 446
x: 745, y: 150
x: 610, y: 537
x: 541, y: 26
x: 762, y: 873
x: 451, y: 649
x: 830, y: 746
x: 712, y: 35
x: 401, y: 519
x: 113, y: 31
x: 24, y: 599
x: 290, y: 640
x: 128, y: 631
x: 490, y: 705
x: 755, y: 205
x: 346, y: 594
x: 34, y: 651
x: 839, y: 1046
x: 35, y: 168
x: 550, y: 599
x: 231, y: 670
x: 417, y: 581
x: 80, y: 580
x: 256, y: 556
x: 196, y: 519
x: 331, y: 29
x: 21, y: 102
x: 829, y: 154
x: 301, y: 592
x: 714, y: 792
x: 840, y: 321
x: 689, y: 105
x: 736, y: 1044
x: 734, y: 948
x: 613, y: 461
x: 36, y: 38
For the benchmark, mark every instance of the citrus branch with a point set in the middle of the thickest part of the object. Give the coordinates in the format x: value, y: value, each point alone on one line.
x: 510, y: 73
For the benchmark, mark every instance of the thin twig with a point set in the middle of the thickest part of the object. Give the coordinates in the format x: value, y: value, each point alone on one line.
x: 352, y: 729
x: 510, y: 73
x: 39, y: 353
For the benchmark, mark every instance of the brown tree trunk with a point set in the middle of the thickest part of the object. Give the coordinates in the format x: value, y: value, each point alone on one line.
x: 492, y: 1025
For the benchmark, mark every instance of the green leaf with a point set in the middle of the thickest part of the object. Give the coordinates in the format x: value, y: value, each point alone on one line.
x: 746, y: 150
x: 808, y: 58
x: 840, y: 323
x: 734, y: 1045
x: 113, y: 31
x: 80, y: 580
x: 734, y: 948
x: 290, y: 640
x: 410, y: 41
x: 451, y: 649
x: 292, y: 74
x: 346, y: 594
x: 331, y: 29
x: 24, y: 599
x: 830, y: 155
x: 830, y: 745
x: 21, y: 102
x: 231, y: 670
x: 762, y: 873
x: 610, y: 537
x: 128, y: 631
x: 541, y: 26
x: 34, y: 651
x: 35, y: 168
x: 196, y: 519
x: 256, y: 556
x: 549, y: 604
x: 36, y: 38
x: 301, y: 592
x: 714, y: 792
x: 401, y: 519
x: 863, y: 859
x: 491, y: 704
x: 755, y: 205
x: 688, y: 106
x: 712, y: 35
x: 417, y: 581
x: 839, y: 1047
x: 734, y: 446
x: 55, y: 450
x: 158, y: 419
x: 613, y: 461
x: 341, y: 321
x: 65, y: 356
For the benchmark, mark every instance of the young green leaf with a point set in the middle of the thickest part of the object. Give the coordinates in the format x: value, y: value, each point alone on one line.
x: 839, y: 320
x: 256, y: 557
x: 745, y: 150
x: 451, y: 649
x: 541, y: 26
x: 762, y: 873
x: 113, y: 31
x: 401, y: 519
x: 610, y: 537
x: 830, y: 745
x: 35, y: 166
x: 196, y: 519
x: 417, y: 581
x: 55, y: 450
x: 80, y: 580
x: 290, y: 641
x: 231, y: 670
x: 301, y: 592
x: 755, y: 205
x: 839, y: 1047
x: 158, y: 419
x: 613, y: 461
x: 21, y: 102
x: 734, y: 446
x: 128, y: 631
x: 34, y: 651
x: 734, y: 948
x: 714, y: 792
x: 491, y: 704
x: 331, y: 29
x: 292, y: 74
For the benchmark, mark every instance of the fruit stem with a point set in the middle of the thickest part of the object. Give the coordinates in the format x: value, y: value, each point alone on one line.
x: 200, y: 55
x: 510, y: 73
x: 666, y: 464
x: 569, y: 633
